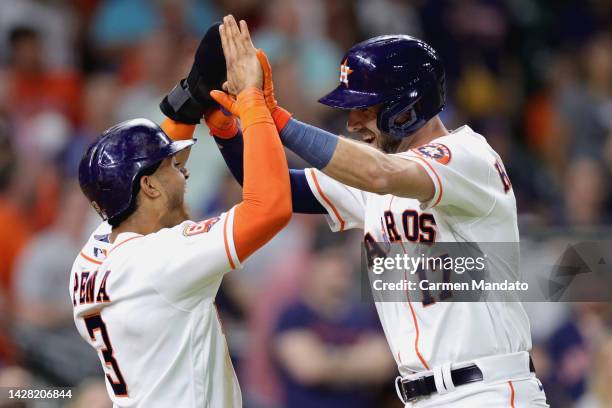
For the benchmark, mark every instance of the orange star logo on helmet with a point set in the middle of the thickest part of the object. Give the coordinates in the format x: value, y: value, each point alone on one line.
x: 345, y: 71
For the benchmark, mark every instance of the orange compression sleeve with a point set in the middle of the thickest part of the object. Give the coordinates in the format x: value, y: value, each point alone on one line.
x: 266, y: 205
x: 177, y: 130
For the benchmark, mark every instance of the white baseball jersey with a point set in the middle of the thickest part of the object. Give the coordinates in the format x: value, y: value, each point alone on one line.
x: 146, y: 304
x: 473, y: 202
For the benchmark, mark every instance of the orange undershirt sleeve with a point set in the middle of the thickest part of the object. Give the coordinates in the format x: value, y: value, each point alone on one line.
x: 266, y: 205
x: 176, y: 130
x: 179, y: 131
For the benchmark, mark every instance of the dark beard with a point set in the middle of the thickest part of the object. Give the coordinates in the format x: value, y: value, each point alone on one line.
x: 388, y: 143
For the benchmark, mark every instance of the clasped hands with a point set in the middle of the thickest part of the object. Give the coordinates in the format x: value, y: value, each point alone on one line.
x: 246, y: 67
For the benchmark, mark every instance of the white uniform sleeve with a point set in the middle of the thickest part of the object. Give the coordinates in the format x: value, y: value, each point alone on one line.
x: 189, y: 260
x: 461, y: 169
x: 345, y: 205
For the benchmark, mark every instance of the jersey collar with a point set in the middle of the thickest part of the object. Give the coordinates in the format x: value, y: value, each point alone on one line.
x: 123, y: 238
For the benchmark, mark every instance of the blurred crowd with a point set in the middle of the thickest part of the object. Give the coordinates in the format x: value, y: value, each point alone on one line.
x: 533, y: 76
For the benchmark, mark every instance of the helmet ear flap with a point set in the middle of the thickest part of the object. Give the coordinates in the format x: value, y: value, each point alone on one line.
x: 399, y: 117
x: 406, y: 114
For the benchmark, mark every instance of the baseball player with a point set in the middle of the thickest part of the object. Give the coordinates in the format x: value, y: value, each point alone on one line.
x: 144, y: 284
x: 412, y: 181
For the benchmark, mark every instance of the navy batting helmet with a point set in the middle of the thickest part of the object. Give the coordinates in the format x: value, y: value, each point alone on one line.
x: 400, y: 72
x: 112, y: 165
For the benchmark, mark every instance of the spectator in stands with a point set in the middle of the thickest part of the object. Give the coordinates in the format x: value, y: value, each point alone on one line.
x: 586, y: 106
x: 44, y: 328
x: 35, y: 88
x: 305, y: 61
x: 600, y: 393
x: 118, y: 24
x: 14, y: 234
x: 14, y: 377
x: 158, y: 60
x: 570, y: 347
x: 585, y: 193
x: 322, y: 339
x: 100, y: 100
x: 56, y: 22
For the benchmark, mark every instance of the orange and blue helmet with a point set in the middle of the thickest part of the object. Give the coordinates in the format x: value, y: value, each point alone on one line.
x: 403, y: 74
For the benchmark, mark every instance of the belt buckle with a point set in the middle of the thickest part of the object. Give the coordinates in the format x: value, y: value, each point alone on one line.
x: 416, y: 388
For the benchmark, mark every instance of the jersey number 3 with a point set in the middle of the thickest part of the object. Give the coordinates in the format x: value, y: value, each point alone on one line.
x: 95, y: 324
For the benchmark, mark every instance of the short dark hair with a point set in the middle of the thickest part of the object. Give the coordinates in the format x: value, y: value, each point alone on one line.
x: 122, y: 216
x: 19, y: 33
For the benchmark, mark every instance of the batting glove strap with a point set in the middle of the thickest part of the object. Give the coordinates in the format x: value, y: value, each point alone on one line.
x: 180, y: 105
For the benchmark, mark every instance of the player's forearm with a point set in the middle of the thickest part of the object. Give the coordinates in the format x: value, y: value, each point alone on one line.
x: 376, y: 368
x: 266, y: 205
x: 366, y: 168
x: 232, y: 151
x: 347, y: 365
x: 348, y: 162
x: 316, y: 146
x: 360, y: 166
x: 356, y: 164
x: 308, y: 360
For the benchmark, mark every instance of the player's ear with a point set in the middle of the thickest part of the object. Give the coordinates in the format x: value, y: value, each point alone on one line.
x: 150, y: 186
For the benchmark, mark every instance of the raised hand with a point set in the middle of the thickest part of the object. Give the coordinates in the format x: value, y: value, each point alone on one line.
x: 243, y: 67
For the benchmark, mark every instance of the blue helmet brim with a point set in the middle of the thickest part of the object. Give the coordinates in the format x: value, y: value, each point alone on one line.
x: 173, y: 148
x: 344, y: 98
x: 179, y: 145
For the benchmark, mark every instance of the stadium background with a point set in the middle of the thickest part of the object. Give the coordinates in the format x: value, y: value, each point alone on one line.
x: 533, y: 76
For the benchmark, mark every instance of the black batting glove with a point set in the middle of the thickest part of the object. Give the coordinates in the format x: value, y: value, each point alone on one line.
x: 189, y: 99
